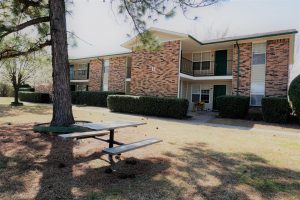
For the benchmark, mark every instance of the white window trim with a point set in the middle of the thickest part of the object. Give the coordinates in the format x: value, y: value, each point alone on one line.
x: 253, y: 43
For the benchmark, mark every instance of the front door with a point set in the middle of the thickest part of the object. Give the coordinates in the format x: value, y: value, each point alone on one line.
x: 219, y: 90
x: 221, y: 62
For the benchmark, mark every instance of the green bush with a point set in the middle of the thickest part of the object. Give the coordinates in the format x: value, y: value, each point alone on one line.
x: 34, y: 97
x: 154, y: 106
x: 255, y: 115
x: 91, y: 98
x: 233, y: 106
x: 275, y: 109
x: 26, y: 89
x: 294, y: 95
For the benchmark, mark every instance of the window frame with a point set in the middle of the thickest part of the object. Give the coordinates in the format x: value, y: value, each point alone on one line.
x: 201, y: 60
x: 204, y: 94
x: 257, y: 65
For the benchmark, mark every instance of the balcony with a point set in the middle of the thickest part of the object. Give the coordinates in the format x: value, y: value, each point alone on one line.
x: 80, y: 74
x: 206, y: 68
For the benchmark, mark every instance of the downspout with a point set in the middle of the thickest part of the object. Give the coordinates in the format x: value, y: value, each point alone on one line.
x: 101, y: 81
x: 238, y: 69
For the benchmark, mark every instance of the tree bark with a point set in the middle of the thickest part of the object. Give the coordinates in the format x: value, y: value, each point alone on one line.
x: 62, y: 106
x: 16, y: 90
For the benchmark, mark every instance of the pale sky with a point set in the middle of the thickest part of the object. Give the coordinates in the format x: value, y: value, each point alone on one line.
x: 103, y: 30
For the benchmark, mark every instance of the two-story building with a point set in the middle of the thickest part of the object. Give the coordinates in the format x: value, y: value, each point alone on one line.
x: 254, y: 65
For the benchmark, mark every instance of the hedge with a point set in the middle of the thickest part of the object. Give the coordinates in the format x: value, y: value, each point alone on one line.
x: 154, y: 106
x: 275, y: 109
x: 34, y: 97
x: 90, y: 98
x: 233, y: 106
x: 294, y: 95
x: 26, y: 89
x: 254, y: 115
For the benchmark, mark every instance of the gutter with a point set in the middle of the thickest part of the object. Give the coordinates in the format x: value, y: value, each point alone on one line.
x: 243, y: 38
x: 238, y: 69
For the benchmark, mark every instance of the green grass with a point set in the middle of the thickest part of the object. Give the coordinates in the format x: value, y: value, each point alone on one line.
x: 265, y: 182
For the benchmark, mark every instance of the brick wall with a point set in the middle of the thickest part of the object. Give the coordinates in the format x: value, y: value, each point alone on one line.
x: 277, y: 67
x: 156, y: 74
x: 245, y: 69
x: 117, y: 74
x: 95, y: 75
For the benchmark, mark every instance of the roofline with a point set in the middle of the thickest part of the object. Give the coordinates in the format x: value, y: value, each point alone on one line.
x: 183, y: 35
x: 244, y: 38
x: 100, y: 56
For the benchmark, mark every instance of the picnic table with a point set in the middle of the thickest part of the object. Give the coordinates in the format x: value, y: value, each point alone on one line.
x: 108, y: 128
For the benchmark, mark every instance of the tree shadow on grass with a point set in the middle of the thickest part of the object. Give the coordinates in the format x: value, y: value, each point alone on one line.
x: 11, y: 111
x: 219, y: 175
x: 192, y: 172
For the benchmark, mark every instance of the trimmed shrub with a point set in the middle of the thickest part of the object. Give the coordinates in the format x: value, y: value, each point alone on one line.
x: 275, y: 109
x: 233, y: 106
x: 34, y: 97
x: 91, y: 98
x: 255, y: 115
x: 154, y: 106
x: 26, y: 89
x: 294, y: 95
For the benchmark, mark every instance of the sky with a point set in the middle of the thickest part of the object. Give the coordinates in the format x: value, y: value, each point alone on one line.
x: 99, y: 29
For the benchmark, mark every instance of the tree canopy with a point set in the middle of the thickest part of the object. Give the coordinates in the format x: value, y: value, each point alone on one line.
x: 27, y: 26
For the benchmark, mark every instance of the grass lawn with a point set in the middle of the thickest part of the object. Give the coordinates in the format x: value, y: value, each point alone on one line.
x: 194, y: 161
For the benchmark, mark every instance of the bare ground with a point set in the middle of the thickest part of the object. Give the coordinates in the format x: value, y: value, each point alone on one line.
x: 194, y: 161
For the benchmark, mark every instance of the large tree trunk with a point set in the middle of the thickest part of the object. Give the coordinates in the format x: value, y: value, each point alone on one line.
x: 62, y: 106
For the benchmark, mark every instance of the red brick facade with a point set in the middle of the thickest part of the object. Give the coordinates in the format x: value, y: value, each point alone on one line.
x: 95, y: 75
x: 245, y: 69
x: 117, y: 74
x: 277, y: 67
x: 156, y: 74
x: 277, y: 64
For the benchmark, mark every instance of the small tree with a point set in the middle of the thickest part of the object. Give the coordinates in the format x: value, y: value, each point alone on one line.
x: 294, y: 95
x: 20, y: 70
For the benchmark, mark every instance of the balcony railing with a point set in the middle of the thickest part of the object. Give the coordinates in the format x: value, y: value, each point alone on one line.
x: 205, y: 68
x: 80, y: 74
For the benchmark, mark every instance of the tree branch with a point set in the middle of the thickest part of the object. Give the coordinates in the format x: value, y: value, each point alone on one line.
x: 9, y: 30
x: 10, y: 53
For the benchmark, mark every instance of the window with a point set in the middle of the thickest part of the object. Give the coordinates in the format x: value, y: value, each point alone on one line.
x: 195, y: 93
x: 81, y: 87
x: 71, y: 72
x: 195, y: 98
x: 196, y: 65
x: 258, y: 71
x: 206, y: 65
x: 205, y: 61
x: 205, y: 96
x: 201, y: 61
x: 259, y: 54
x: 255, y: 100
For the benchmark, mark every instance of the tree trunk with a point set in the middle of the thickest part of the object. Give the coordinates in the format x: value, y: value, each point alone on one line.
x: 16, y: 91
x: 62, y: 106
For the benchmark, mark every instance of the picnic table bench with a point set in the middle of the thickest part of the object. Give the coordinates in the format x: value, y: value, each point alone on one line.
x: 108, y: 128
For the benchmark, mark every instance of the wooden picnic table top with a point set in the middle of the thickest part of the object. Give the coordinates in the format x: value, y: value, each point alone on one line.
x: 100, y: 126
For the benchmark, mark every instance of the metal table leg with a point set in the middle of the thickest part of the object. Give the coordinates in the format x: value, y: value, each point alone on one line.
x: 111, y: 142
